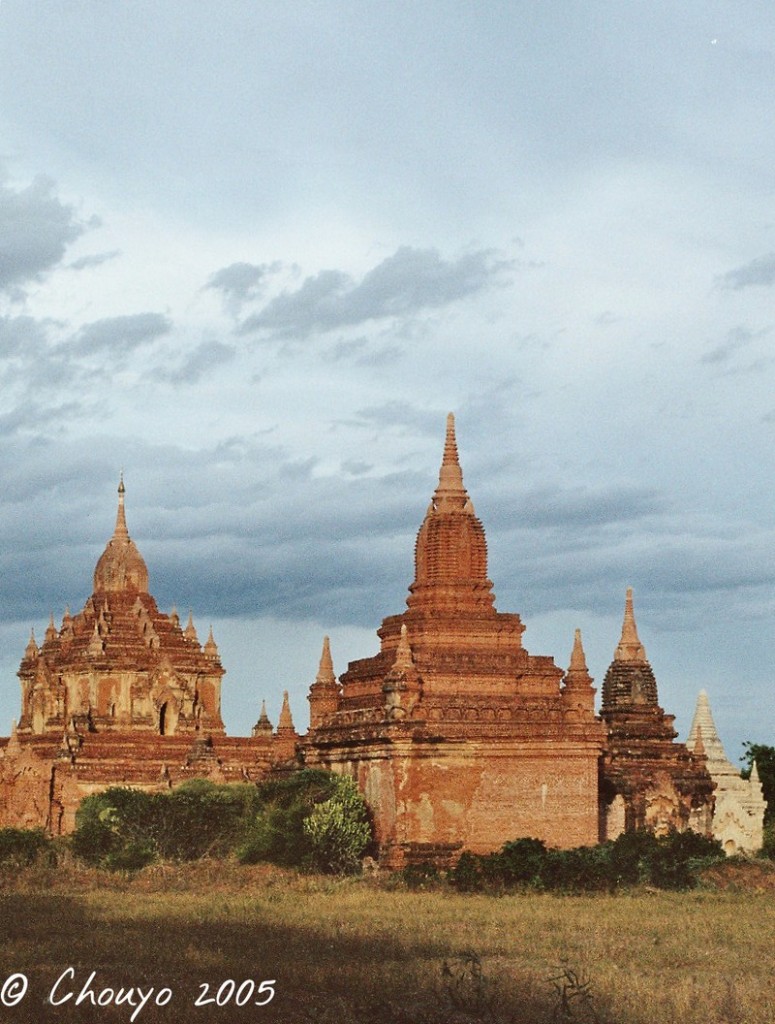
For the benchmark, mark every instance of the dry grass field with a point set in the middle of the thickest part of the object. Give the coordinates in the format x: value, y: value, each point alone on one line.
x: 366, y: 950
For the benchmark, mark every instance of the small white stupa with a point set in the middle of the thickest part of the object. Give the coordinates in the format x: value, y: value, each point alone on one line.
x: 738, y: 817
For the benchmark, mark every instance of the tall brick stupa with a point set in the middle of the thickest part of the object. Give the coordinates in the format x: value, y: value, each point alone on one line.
x: 457, y: 735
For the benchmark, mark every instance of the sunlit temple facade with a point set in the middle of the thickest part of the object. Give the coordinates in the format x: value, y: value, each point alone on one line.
x: 458, y: 737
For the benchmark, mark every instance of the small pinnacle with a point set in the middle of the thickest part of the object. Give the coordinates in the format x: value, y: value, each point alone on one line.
x: 450, y: 493
x: 326, y: 668
x: 285, y: 722
x: 578, y: 661
x: 404, y: 651
x: 629, y: 648
x: 121, y: 529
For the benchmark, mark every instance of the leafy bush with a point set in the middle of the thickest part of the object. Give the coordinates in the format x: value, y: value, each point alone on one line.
x: 667, y: 862
x: 583, y: 869
x: 523, y: 860
x: 109, y: 824
x: 764, y: 757
x: 20, y: 847
x: 467, y: 874
x: 338, y: 829
x: 276, y: 832
x: 125, y: 829
x: 768, y: 843
x: 420, y: 876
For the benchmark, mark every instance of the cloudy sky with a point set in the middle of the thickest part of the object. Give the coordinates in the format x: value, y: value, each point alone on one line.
x: 253, y: 253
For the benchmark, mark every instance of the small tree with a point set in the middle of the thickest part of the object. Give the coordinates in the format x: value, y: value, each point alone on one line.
x: 764, y: 756
x: 338, y: 829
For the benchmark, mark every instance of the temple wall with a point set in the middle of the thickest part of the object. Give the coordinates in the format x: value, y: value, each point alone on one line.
x: 476, y: 795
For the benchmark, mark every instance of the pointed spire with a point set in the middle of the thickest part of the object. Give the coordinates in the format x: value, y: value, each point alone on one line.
x: 326, y: 669
x: 578, y: 691
x: 263, y: 726
x: 31, y: 651
x: 51, y: 630
x: 755, y: 773
x: 324, y: 693
x: 703, y: 732
x: 450, y: 492
x: 285, y: 722
x: 174, y: 617
x: 404, y: 661
x: 210, y: 647
x: 578, y: 662
x: 121, y: 566
x: 96, y: 646
x: 190, y: 631
x: 121, y: 530
x: 629, y: 648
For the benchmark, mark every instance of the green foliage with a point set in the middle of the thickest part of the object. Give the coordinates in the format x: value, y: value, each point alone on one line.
x: 112, y: 827
x: 421, y: 876
x: 768, y: 843
x: 21, y: 847
x: 338, y: 829
x: 125, y: 829
x: 764, y: 756
x: 276, y: 833
x: 583, y: 869
x: 522, y: 860
x: 666, y: 862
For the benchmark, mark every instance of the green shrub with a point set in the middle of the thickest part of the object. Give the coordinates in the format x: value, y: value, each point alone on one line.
x: 768, y: 843
x: 201, y: 819
x: 466, y: 876
x: 523, y: 860
x: 125, y: 829
x: 21, y: 847
x: 667, y: 862
x: 338, y: 829
x: 275, y: 832
x: 107, y: 824
x: 582, y: 869
x: 420, y: 876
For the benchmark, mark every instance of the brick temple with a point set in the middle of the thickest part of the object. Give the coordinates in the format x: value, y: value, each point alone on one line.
x: 458, y: 737
x: 461, y: 739
x: 122, y: 695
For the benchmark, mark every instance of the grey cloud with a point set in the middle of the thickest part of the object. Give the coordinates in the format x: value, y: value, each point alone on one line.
x: 736, y: 339
x: 21, y: 336
x: 405, y: 284
x: 760, y: 271
x: 36, y: 418
x: 403, y: 416
x: 210, y: 355
x: 119, y: 334
x: 95, y: 260
x: 356, y: 467
x: 35, y: 230
x: 585, y: 508
x: 241, y: 282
